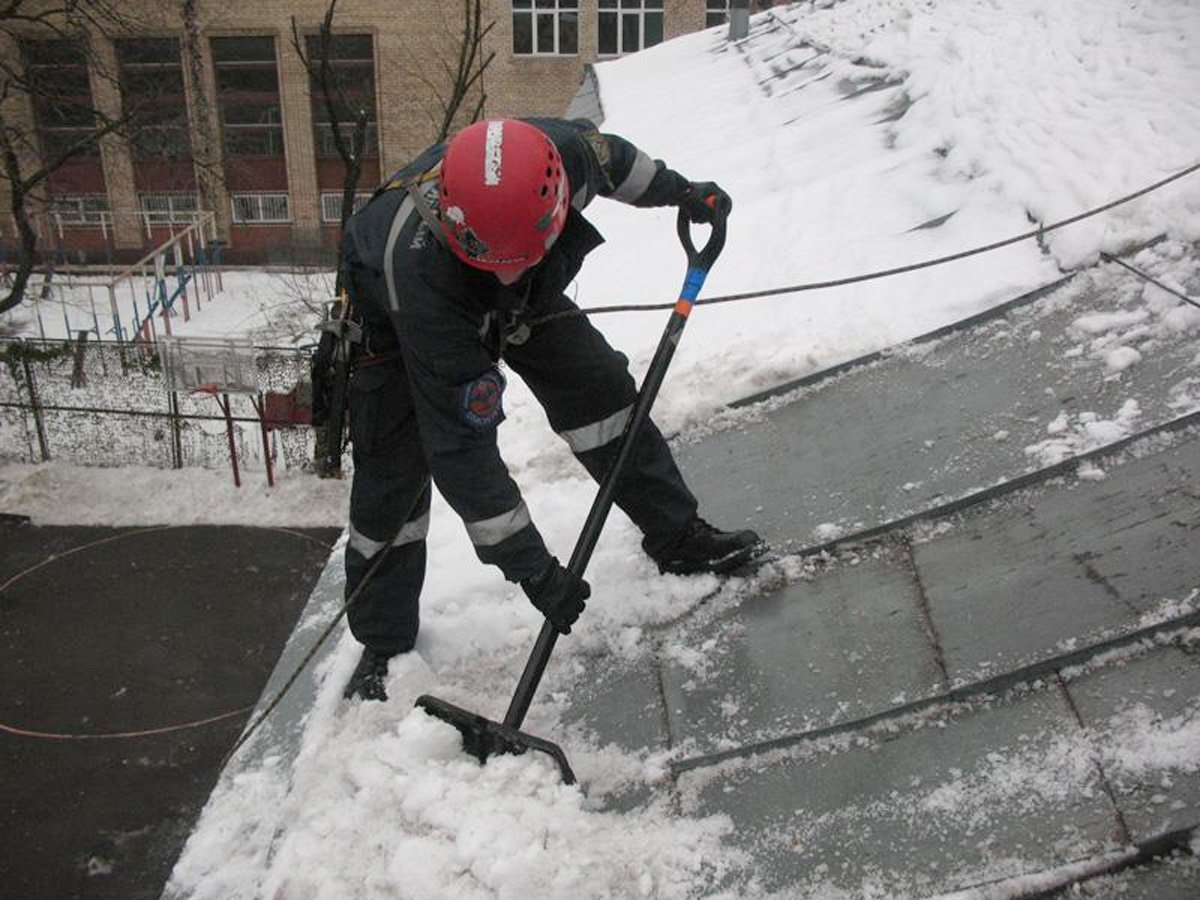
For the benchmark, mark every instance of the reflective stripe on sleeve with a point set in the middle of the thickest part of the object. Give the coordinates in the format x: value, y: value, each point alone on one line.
x: 410, y: 533
x: 638, y: 179
x: 489, y: 532
x: 597, y: 434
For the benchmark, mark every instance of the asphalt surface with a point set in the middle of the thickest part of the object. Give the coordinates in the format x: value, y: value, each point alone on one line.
x: 130, y: 659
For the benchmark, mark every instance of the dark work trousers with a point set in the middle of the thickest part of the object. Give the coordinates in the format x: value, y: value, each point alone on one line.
x: 587, y: 393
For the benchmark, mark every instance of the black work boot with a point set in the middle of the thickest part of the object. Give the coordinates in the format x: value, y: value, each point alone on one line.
x: 367, y: 680
x: 702, y: 548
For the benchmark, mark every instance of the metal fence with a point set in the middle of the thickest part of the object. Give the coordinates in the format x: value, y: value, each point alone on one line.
x: 108, y: 404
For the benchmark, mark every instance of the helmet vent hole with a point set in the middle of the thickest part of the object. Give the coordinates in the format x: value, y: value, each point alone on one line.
x: 545, y: 190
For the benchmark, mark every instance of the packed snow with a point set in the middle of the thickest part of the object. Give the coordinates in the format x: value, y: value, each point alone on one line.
x: 853, y: 136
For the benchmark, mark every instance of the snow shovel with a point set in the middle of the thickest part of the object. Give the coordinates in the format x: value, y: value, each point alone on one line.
x: 481, y: 736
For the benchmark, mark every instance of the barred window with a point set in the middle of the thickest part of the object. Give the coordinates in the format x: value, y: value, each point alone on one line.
x: 545, y: 27
x: 627, y: 26
x: 81, y: 209
x: 174, y: 209
x: 331, y: 205
x: 249, y: 209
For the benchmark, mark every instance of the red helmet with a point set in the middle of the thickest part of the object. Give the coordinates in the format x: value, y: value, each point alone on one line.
x: 504, y: 195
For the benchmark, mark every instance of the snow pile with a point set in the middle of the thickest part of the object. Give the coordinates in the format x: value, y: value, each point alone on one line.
x: 409, y: 815
x: 1078, y: 433
x: 1148, y: 316
x: 860, y: 127
x: 1144, y: 743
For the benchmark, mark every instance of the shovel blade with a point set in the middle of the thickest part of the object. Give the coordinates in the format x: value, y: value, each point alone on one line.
x: 482, y: 737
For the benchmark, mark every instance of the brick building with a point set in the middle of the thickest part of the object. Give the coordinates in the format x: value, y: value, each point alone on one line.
x: 265, y: 160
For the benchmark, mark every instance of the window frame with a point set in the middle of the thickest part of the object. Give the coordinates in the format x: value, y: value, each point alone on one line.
x: 63, y: 113
x: 326, y: 149
x: 716, y: 8
x: 343, y: 59
x: 266, y: 137
x: 166, y: 133
x: 619, y: 11
x: 556, y: 13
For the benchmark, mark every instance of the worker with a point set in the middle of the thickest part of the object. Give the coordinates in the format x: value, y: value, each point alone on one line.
x: 450, y: 266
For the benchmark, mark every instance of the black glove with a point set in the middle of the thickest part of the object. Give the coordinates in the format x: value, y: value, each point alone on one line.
x: 704, y: 201
x: 558, y: 595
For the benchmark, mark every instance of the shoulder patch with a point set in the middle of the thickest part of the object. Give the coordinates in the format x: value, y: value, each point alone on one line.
x: 482, y: 400
x: 603, y: 153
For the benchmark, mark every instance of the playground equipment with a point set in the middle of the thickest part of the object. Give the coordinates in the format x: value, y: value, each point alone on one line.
x: 177, y: 276
x: 218, y: 368
x: 193, y: 255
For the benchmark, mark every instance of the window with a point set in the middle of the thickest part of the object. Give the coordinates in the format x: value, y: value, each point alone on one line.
x: 326, y: 148
x: 174, y: 209
x: 248, y: 95
x: 545, y: 27
x: 331, y: 205
x: 352, y: 70
x: 62, y: 96
x: 716, y: 12
x: 250, y: 209
x: 151, y: 79
x: 84, y: 209
x: 627, y: 26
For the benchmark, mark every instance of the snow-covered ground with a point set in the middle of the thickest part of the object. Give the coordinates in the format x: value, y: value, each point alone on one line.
x: 999, y: 116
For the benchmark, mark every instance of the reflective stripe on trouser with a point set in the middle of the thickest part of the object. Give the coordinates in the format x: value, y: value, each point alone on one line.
x: 490, y: 532
x: 597, y: 434
x: 587, y: 392
x: 389, y: 505
x: 413, y: 530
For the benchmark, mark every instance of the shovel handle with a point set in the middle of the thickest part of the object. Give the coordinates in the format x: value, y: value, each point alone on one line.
x: 699, y: 262
x: 706, y: 255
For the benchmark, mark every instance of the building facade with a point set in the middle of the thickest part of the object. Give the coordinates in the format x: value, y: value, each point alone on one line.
x: 230, y: 120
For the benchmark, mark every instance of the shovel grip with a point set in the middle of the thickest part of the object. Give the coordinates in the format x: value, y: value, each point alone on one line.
x: 706, y: 255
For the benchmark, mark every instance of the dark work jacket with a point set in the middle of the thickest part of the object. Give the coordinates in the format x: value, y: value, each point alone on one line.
x: 449, y: 320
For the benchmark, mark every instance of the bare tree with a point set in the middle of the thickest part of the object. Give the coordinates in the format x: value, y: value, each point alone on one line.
x: 463, y: 79
x: 467, y: 75
x: 318, y: 59
x: 208, y: 172
x: 26, y: 161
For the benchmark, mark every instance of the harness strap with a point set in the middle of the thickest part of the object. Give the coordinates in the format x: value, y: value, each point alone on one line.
x: 414, y: 186
x: 417, y: 193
